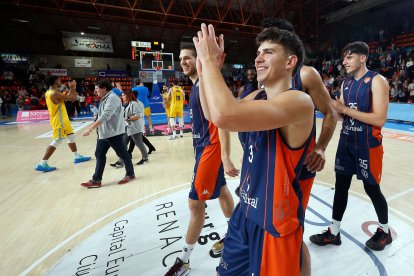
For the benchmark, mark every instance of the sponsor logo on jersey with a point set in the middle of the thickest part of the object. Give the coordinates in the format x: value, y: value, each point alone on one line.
x: 205, y: 192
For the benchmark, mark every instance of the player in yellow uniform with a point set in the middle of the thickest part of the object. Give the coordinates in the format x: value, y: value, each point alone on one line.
x: 59, y: 120
x: 166, y: 103
x: 176, y: 94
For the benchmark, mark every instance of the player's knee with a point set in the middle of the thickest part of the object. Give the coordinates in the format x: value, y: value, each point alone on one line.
x: 56, y: 142
x: 71, y: 138
x: 197, y: 207
x: 372, y: 190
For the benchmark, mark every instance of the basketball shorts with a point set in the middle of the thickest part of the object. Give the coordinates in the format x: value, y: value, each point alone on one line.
x: 147, y: 111
x: 60, y: 133
x: 167, y: 112
x: 250, y: 250
x: 208, y: 174
x: 365, y: 162
x: 176, y: 111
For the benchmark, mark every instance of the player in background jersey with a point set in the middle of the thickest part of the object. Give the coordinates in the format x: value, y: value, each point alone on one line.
x: 59, y: 120
x: 176, y: 96
x: 265, y: 232
x: 166, y: 104
x: 364, y: 105
x: 212, y: 160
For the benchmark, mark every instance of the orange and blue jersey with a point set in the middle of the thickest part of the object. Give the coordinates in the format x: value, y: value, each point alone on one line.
x: 204, y: 132
x: 270, y: 194
x: 357, y: 94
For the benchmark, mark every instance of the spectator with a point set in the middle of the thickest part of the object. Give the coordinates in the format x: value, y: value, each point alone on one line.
x: 411, y: 90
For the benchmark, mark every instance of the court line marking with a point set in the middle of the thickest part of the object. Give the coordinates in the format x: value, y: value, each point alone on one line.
x: 53, y: 250
x: 400, y: 194
x: 402, y: 215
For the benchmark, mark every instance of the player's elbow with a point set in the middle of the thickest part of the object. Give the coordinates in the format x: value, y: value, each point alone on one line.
x: 380, y: 122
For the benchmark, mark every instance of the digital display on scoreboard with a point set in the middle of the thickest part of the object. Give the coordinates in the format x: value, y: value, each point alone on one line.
x: 138, y: 46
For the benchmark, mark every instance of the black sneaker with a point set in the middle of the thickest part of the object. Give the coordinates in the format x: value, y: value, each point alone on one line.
x: 151, y: 150
x: 143, y: 161
x: 379, y: 240
x: 326, y: 238
x: 179, y: 268
x: 117, y: 164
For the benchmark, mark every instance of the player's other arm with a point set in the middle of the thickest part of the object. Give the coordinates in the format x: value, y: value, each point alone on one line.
x: 71, y: 96
x: 320, y: 97
x: 378, y: 116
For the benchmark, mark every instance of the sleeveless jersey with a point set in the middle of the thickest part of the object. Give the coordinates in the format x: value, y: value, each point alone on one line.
x: 270, y: 193
x: 177, y: 100
x: 297, y: 85
x: 357, y: 94
x: 167, y: 101
x: 58, y: 114
x: 204, y: 132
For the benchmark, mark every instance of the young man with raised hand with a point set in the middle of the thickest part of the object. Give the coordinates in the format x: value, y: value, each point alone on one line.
x: 265, y: 231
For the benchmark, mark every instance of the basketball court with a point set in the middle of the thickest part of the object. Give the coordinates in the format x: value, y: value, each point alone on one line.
x: 53, y: 226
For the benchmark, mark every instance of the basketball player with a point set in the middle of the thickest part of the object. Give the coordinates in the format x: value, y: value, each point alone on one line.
x: 212, y: 154
x: 59, y: 120
x: 176, y: 96
x: 364, y: 105
x: 166, y: 102
x: 142, y: 96
x: 265, y: 232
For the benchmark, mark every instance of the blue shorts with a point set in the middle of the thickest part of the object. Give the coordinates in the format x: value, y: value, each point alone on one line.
x: 365, y: 162
x: 208, y: 174
x: 250, y: 250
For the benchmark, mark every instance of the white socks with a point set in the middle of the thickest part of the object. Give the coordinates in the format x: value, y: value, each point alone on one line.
x: 187, y: 250
x: 76, y: 154
x: 384, y: 227
x: 335, y: 227
x: 43, y: 162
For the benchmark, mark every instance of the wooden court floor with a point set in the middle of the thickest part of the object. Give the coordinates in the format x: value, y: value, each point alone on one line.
x: 44, y: 215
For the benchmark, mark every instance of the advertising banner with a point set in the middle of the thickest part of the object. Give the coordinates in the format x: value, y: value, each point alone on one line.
x: 13, y: 58
x: 87, y: 42
x: 54, y: 72
x: 112, y: 74
x: 83, y: 62
x: 32, y: 115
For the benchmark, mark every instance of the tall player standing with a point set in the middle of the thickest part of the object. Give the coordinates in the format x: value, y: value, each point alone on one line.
x: 212, y: 156
x: 364, y: 104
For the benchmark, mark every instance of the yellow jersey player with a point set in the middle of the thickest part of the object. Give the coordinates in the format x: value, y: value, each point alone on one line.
x: 176, y: 94
x: 59, y: 120
x: 166, y: 103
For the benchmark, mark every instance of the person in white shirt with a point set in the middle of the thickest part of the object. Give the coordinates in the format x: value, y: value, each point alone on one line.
x: 411, y: 90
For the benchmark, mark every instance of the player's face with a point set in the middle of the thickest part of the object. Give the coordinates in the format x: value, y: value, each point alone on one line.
x: 353, y: 62
x: 250, y: 75
x: 270, y: 63
x: 188, y: 62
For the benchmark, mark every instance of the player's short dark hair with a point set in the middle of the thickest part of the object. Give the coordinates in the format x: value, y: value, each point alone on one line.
x: 50, y: 80
x: 191, y: 48
x: 279, y: 23
x: 290, y: 42
x: 175, y: 82
x: 137, y: 81
x: 105, y: 83
x: 357, y: 47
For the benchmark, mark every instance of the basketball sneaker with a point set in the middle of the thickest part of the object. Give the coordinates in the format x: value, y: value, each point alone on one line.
x: 218, y: 247
x: 326, y: 238
x: 379, y: 240
x: 80, y: 159
x: 179, y: 268
x: 44, y: 168
x: 172, y: 137
x: 117, y: 165
x: 92, y: 184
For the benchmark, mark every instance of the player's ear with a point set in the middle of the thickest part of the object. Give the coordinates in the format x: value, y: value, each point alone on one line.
x: 292, y: 61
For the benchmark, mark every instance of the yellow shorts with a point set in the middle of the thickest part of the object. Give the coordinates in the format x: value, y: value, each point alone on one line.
x: 147, y: 111
x: 176, y: 112
x: 167, y: 112
x: 60, y: 133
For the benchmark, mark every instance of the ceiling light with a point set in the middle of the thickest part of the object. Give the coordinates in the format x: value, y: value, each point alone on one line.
x: 82, y: 33
x: 20, y: 20
x: 94, y: 27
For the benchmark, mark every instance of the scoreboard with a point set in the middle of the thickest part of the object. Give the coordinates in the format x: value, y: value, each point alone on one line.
x: 138, y: 46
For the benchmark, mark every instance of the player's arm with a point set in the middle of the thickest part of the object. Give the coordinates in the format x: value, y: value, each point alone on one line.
x: 203, y: 100
x: 56, y: 96
x: 169, y: 94
x: 378, y: 116
x: 315, y: 160
x: 241, y: 91
x: 228, y: 165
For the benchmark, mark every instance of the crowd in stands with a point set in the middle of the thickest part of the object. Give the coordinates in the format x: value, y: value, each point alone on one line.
x: 393, y: 57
